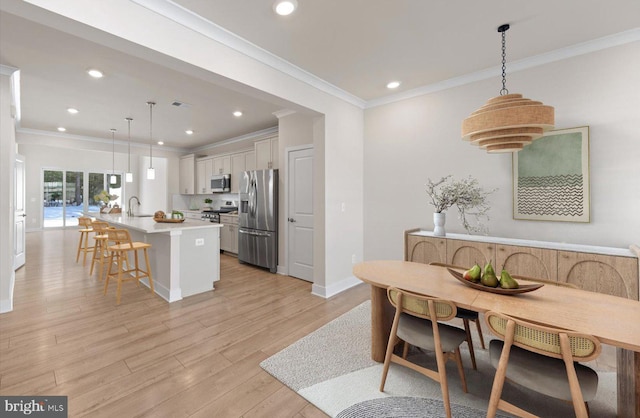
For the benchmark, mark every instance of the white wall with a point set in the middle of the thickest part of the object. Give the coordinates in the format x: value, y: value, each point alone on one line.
x: 412, y: 140
x: 7, y: 190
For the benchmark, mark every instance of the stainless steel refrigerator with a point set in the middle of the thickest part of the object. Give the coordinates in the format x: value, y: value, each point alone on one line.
x: 258, y: 219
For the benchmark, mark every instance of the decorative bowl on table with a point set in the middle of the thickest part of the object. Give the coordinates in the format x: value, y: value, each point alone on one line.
x: 523, y: 288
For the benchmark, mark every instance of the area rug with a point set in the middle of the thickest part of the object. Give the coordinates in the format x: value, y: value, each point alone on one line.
x: 332, y: 369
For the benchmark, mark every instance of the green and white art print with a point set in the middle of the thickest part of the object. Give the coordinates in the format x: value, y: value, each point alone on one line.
x: 551, y: 177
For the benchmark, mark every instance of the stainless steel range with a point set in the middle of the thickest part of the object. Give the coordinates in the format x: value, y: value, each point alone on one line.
x: 213, y: 215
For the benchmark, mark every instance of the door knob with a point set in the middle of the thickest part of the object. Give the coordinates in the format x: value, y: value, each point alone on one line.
x: 291, y: 220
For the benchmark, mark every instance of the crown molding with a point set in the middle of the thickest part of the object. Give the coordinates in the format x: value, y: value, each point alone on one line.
x: 7, y: 70
x: 632, y: 35
x: 199, y: 24
x: 253, y: 136
x: 283, y: 113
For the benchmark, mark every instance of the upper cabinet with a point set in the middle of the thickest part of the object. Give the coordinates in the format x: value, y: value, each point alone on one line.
x: 187, y: 174
x: 222, y: 164
x: 266, y: 153
x: 238, y: 166
x: 204, y: 170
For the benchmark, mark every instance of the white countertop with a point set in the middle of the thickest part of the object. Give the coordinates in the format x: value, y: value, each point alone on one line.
x: 149, y: 226
x: 530, y: 243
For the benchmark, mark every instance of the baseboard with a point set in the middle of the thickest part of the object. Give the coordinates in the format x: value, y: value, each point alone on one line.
x: 332, y: 290
x: 6, y: 306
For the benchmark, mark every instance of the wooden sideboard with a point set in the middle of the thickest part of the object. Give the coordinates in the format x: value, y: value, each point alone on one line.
x: 613, y: 271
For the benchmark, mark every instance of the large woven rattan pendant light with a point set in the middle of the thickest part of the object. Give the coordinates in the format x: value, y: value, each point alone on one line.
x: 508, y: 122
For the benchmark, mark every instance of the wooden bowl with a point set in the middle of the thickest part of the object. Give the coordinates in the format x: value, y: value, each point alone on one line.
x: 523, y: 288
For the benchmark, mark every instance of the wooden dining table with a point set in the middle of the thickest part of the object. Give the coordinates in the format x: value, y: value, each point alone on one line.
x: 613, y: 320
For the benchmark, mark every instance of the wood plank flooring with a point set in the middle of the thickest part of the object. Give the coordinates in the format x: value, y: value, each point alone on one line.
x: 198, y: 357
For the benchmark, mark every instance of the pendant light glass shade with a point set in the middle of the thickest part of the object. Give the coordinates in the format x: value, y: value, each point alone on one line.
x: 151, y: 172
x: 113, y: 179
x: 509, y: 122
x: 128, y: 177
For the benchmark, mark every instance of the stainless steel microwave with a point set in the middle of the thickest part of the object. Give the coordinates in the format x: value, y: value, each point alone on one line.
x: 221, y: 183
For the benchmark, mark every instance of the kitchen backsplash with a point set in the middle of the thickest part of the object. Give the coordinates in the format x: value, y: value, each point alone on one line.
x: 196, y: 202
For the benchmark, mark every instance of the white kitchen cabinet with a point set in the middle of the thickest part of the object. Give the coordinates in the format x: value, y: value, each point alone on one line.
x: 238, y: 166
x: 229, y: 233
x: 187, y: 180
x: 249, y: 160
x: 266, y: 153
x: 204, y: 170
x: 221, y: 165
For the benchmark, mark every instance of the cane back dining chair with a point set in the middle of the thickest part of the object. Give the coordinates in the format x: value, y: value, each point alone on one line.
x: 542, y: 359
x: 416, y: 323
x: 119, y: 245
x: 467, y: 315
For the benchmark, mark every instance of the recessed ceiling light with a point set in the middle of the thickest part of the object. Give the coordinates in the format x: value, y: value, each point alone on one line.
x: 393, y: 85
x: 285, y: 7
x: 62, y: 129
x: 237, y: 113
x: 189, y: 132
x: 160, y: 143
x: 72, y: 110
x: 95, y: 73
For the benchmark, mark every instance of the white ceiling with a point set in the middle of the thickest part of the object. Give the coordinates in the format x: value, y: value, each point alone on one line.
x: 355, y: 45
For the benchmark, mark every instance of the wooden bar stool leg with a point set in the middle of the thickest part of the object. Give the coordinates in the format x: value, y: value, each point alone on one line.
x: 96, y: 244
x: 146, y: 259
x: 135, y: 255
x: 119, y: 287
x: 106, y: 282
x: 82, y: 233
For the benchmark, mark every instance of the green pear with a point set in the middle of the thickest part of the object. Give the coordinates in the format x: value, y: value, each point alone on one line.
x: 473, y: 274
x: 489, y: 277
x: 506, y: 281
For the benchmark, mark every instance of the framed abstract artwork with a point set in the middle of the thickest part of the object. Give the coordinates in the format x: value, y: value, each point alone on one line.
x: 551, y: 177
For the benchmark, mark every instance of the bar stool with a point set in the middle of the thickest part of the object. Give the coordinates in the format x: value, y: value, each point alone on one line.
x: 84, y: 223
x: 120, y: 244
x: 100, y: 253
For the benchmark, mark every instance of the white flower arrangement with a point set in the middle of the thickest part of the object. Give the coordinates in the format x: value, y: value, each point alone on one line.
x: 466, y: 195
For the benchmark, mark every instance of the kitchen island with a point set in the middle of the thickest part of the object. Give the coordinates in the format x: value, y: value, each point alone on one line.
x: 184, y: 257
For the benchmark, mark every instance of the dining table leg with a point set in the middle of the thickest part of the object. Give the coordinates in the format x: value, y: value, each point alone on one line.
x: 628, y: 363
x: 381, y: 318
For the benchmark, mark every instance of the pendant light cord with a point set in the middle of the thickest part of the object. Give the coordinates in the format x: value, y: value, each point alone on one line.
x: 129, y: 148
x: 151, y: 133
x: 113, y: 152
x: 503, y: 29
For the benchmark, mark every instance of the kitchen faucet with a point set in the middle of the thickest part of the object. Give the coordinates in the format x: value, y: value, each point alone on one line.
x: 129, y: 208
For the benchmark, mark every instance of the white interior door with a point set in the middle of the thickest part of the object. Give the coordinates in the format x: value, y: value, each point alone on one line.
x: 20, y: 216
x: 300, y: 213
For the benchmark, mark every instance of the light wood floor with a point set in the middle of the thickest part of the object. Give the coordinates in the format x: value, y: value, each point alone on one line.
x: 196, y: 357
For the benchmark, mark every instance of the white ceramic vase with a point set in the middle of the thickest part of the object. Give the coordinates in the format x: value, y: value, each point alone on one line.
x: 438, y: 222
